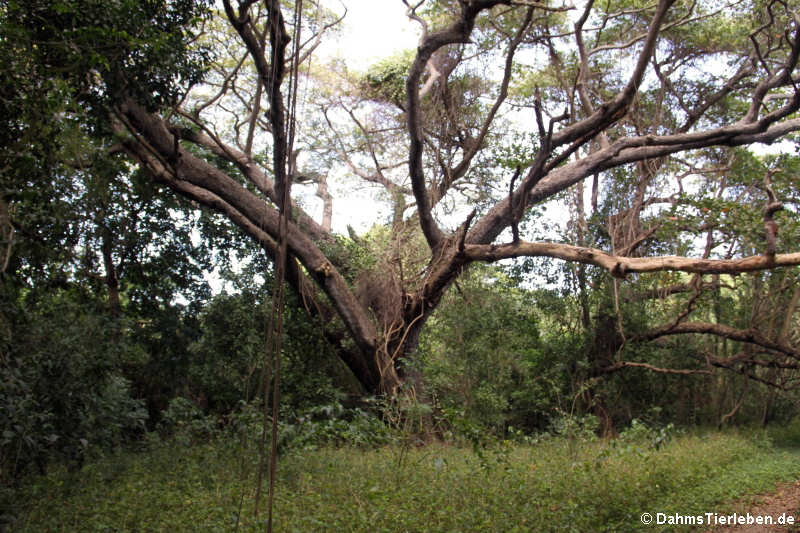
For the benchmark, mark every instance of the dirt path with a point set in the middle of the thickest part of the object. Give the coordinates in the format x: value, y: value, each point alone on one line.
x: 784, y: 501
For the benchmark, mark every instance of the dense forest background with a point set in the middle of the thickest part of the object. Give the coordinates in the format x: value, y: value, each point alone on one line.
x: 111, y: 334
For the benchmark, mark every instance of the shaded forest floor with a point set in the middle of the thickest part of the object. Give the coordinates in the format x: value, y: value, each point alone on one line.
x: 555, y: 484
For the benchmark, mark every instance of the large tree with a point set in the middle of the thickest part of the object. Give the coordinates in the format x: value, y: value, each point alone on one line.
x: 505, y: 104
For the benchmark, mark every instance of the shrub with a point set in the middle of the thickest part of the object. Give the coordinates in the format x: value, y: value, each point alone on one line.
x: 62, y: 395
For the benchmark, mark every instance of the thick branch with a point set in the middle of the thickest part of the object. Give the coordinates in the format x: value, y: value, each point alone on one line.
x: 458, y: 32
x: 187, y: 173
x: 477, y: 143
x: 750, y: 336
x: 248, y: 167
x: 632, y: 364
x: 620, y: 266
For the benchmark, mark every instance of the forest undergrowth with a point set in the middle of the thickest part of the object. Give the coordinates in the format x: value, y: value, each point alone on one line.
x: 568, y: 482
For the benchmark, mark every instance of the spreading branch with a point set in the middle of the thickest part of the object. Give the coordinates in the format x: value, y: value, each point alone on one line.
x: 620, y: 266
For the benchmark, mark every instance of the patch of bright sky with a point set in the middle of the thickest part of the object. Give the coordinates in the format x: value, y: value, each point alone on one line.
x: 372, y: 30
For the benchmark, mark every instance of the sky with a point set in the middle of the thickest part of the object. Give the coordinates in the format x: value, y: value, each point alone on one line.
x: 373, y: 29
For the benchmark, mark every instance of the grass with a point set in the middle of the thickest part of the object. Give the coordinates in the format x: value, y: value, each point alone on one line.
x: 554, y: 485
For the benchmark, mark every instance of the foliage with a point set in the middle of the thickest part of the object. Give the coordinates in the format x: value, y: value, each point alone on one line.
x: 575, y: 427
x: 62, y: 393
x: 386, y: 79
x: 142, y: 48
x: 186, y: 423
x: 602, y: 487
x: 787, y: 434
x: 333, y: 425
x: 638, y: 431
x: 483, y: 356
x: 226, y: 362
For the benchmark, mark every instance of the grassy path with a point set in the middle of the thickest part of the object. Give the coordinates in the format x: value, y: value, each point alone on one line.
x: 781, y: 506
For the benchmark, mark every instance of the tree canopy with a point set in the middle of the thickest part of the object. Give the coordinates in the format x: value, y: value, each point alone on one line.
x: 636, y: 115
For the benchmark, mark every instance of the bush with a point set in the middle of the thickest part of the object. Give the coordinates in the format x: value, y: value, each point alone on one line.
x: 227, y: 359
x: 578, y: 427
x: 786, y: 435
x: 334, y: 424
x: 639, y: 432
x: 186, y: 422
x: 488, y: 361
x: 330, y: 424
x: 61, y: 392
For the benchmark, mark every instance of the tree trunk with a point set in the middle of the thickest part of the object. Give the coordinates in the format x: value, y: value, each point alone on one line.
x: 111, y: 278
